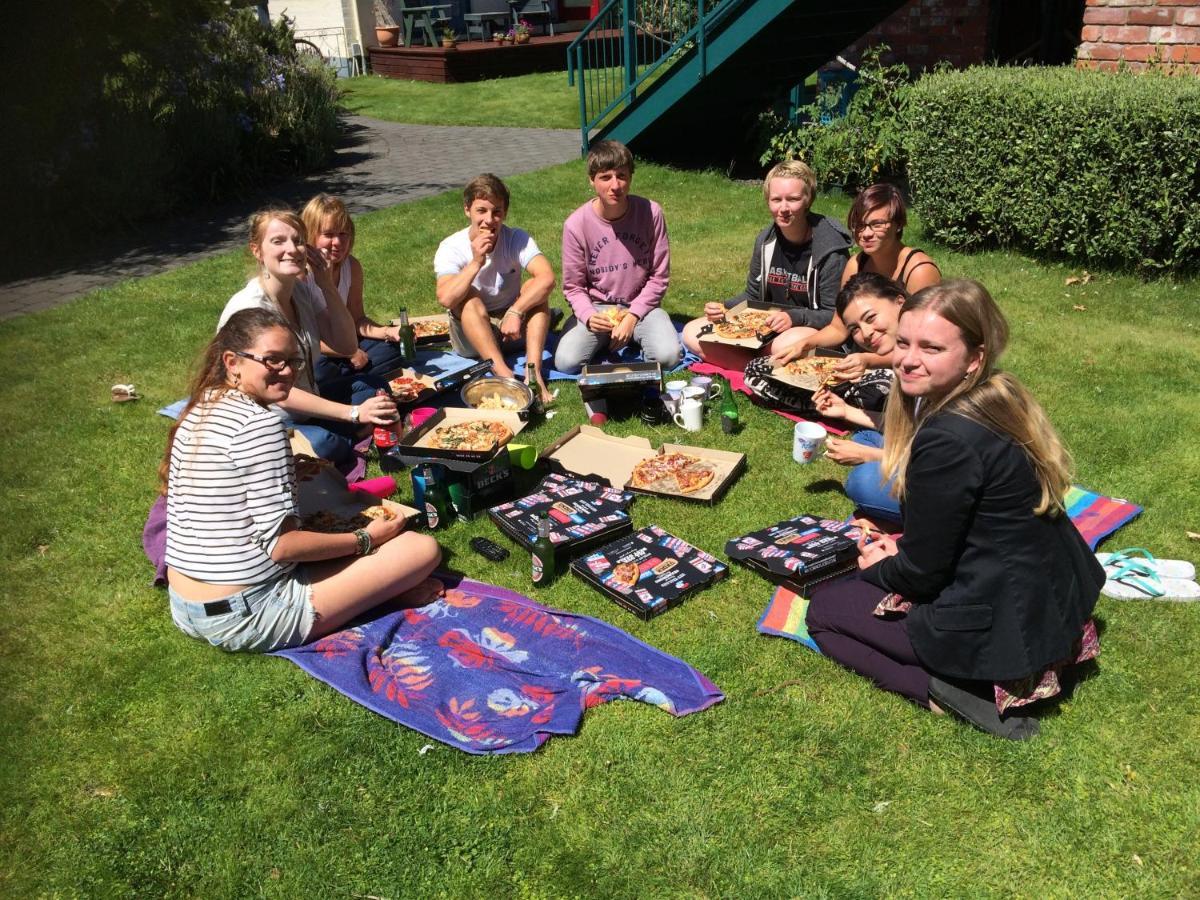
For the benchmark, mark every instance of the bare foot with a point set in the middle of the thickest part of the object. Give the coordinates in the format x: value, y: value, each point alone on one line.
x: 422, y: 594
x: 501, y: 370
x: 547, y: 397
x: 935, y: 709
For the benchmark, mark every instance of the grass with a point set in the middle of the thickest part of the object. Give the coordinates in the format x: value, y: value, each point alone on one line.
x: 541, y: 100
x: 141, y: 763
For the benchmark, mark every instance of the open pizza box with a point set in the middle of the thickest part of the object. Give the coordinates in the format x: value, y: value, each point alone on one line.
x: 429, y: 329
x: 588, y: 452
x: 809, y: 381
x: 322, y: 488
x: 417, y: 444
x: 428, y: 379
x: 755, y: 343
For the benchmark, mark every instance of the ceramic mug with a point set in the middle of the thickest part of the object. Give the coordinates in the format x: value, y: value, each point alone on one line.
x: 711, y: 389
x: 808, y: 442
x: 690, y: 416
x: 694, y: 393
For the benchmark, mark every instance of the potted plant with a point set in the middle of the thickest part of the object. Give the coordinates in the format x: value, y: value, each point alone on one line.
x: 521, y: 32
x: 449, y: 39
x: 387, y: 32
x: 499, y: 37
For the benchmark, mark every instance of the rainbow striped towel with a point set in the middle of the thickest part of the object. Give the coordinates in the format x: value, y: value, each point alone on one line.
x: 1095, y: 515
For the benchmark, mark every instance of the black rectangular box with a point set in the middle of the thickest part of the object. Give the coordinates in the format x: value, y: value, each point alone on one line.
x: 799, y: 552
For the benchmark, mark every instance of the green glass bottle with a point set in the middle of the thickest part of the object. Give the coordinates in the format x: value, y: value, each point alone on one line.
x: 437, y: 501
x: 535, y: 406
x: 543, y: 564
x: 729, y: 410
x: 408, y: 338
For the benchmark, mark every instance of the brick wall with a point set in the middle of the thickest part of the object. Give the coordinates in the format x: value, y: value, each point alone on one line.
x: 924, y: 32
x: 1140, y: 33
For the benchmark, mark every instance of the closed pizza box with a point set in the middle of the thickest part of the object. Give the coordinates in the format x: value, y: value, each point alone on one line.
x: 604, y: 379
x: 429, y: 329
x: 415, y: 447
x: 589, y: 452
x: 755, y: 343
x: 649, y: 571
x: 800, y: 552
x: 326, y: 491
x: 810, y: 383
x: 583, y: 514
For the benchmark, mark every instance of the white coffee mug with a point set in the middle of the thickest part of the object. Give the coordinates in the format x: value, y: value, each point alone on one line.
x: 690, y: 416
x: 711, y: 389
x: 694, y: 393
x: 677, y: 385
x: 808, y: 442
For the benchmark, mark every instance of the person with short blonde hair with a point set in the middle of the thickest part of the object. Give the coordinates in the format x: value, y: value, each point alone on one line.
x: 492, y: 311
x: 795, y: 267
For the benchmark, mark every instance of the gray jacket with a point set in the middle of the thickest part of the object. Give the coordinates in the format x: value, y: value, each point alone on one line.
x: 830, y: 252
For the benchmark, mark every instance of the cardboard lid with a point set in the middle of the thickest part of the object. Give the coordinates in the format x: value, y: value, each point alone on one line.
x: 419, y: 439
x: 757, y: 342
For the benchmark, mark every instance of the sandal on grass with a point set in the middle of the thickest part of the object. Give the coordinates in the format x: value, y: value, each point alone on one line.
x: 1163, y: 568
x: 981, y: 711
x: 1135, y: 580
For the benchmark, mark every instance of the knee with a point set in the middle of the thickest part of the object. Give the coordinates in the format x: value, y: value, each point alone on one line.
x: 473, y: 308
x: 691, y: 335
x: 419, y: 552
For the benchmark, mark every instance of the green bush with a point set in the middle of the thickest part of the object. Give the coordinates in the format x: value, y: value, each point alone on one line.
x: 149, y: 105
x: 862, y: 147
x: 1102, y: 168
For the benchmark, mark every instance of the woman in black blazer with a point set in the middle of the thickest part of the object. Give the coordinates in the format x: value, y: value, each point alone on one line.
x: 990, y: 590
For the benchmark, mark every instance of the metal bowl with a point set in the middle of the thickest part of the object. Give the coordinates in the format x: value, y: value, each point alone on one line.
x: 507, y: 389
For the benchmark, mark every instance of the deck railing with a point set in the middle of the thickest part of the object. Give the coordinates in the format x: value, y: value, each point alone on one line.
x: 632, y: 43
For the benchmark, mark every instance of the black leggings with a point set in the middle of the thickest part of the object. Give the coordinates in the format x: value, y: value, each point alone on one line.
x: 840, y: 620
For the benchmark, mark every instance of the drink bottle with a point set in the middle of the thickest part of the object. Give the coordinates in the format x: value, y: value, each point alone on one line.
x: 408, y: 338
x: 437, y: 501
x: 729, y: 410
x: 535, y: 408
x: 543, y: 569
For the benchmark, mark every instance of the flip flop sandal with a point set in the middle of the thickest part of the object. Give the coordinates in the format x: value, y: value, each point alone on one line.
x: 1136, y: 581
x: 1163, y: 568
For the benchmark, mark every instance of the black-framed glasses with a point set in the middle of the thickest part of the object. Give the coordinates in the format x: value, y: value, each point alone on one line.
x: 275, y: 363
x: 878, y: 226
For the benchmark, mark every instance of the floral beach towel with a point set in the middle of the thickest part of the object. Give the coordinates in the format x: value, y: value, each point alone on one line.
x: 487, y: 670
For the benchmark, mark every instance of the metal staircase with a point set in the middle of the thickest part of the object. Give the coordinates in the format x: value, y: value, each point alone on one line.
x: 684, y: 80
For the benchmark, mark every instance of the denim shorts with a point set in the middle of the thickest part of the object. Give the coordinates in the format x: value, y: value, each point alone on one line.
x: 264, y: 617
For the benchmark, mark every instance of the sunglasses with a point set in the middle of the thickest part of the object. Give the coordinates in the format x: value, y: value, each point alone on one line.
x: 275, y: 363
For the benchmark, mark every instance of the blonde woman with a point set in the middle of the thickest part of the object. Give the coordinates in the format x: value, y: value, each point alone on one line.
x: 310, y: 303
x: 1001, y: 584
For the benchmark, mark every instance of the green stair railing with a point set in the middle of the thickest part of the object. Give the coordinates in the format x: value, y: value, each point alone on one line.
x: 632, y: 43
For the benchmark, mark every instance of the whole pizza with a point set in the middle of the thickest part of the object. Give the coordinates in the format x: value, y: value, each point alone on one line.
x: 672, y: 473
x: 406, y: 389
x: 475, y: 436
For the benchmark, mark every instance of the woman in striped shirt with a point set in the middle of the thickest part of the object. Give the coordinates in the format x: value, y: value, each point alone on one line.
x: 242, y: 574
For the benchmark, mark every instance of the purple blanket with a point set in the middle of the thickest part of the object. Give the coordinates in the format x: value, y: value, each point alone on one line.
x: 487, y: 670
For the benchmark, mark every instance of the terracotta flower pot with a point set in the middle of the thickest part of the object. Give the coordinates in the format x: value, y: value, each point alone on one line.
x: 522, y: 39
x: 449, y: 43
x: 387, y: 36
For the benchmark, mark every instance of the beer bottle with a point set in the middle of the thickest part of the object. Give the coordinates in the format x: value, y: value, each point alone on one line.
x: 535, y: 406
x: 408, y: 338
x: 543, y: 554
x: 729, y: 410
x: 387, y: 440
x: 437, y: 501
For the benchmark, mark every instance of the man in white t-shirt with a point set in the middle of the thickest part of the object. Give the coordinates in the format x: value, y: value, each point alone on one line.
x: 479, y: 281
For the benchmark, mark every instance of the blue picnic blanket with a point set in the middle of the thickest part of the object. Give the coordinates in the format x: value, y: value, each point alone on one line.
x: 488, y: 670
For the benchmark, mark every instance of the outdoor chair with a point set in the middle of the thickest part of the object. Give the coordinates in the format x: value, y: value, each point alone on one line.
x: 423, y: 18
x: 532, y: 11
x: 483, y: 12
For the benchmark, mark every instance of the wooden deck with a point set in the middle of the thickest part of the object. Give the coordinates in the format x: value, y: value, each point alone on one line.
x: 473, y: 61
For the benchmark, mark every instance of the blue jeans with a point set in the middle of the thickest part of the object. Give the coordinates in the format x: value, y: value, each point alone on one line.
x: 337, y: 380
x: 865, y: 486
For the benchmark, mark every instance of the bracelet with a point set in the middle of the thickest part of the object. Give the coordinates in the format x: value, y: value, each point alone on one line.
x: 515, y: 312
x: 364, y: 542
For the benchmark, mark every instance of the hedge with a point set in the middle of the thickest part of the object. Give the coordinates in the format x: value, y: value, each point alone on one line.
x: 1098, y: 167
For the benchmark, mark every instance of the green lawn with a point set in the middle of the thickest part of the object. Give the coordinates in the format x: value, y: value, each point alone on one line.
x: 140, y: 763
x: 541, y: 100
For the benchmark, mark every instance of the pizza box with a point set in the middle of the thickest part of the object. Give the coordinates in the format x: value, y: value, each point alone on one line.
x: 812, y: 385
x: 583, y: 514
x: 600, y: 379
x: 473, y: 486
x: 588, y: 452
x: 649, y: 571
x: 442, y: 320
x: 755, y: 343
x: 326, y: 491
x: 799, y: 552
x: 414, y: 448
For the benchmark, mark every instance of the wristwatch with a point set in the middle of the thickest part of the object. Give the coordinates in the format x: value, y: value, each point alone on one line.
x: 353, y: 415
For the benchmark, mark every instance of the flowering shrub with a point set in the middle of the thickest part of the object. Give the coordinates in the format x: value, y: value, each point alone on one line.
x: 188, y: 100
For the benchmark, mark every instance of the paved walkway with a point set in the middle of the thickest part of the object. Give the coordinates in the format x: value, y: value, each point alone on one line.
x: 379, y: 164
